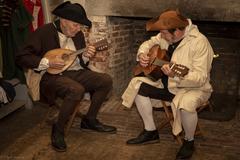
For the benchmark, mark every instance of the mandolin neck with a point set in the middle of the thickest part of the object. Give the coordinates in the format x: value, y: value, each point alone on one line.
x: 80, y: 51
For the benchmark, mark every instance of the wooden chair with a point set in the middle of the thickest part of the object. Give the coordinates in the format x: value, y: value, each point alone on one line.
x: 33, y: 80
x: 53, y: 111
x: 169, y: 118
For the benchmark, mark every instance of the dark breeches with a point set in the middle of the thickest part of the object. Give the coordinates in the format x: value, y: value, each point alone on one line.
x: 72, y: 85
x: 147, y: 90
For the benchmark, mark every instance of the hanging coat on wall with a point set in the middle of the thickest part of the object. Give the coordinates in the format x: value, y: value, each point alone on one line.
x: 12, y: 37
x: 5, y: 21
x: 1, y: 63
x: 34, y: 7
x: 8, y: 92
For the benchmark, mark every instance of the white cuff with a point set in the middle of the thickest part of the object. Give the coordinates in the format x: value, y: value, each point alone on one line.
x: 85, y: 59
x: 177, y: 79
x: 43, y: 65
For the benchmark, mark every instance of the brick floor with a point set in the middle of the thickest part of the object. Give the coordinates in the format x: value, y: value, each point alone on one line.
x: 24, y: 137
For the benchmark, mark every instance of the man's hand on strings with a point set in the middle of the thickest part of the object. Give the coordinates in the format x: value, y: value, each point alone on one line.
x: 167, y: 70
x: 90, y: 51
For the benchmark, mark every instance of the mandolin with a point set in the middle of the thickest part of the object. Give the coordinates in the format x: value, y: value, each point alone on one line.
x: 159, y: 57
x: 69, y: 56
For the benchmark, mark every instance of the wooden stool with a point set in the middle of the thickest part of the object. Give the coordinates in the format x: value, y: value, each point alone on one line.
x: 76, y: 113
x: 169, y: 118
x: 53, y: 112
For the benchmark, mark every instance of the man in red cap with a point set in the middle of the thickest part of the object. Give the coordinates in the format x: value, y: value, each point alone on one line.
x: 185, y: 45
x: 77, y: 79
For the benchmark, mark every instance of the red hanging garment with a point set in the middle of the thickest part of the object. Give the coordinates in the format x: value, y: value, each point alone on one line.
x: 35, y: 9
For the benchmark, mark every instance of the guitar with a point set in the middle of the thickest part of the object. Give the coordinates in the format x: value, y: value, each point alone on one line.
x: 69, y: 56
x: 158, y: 57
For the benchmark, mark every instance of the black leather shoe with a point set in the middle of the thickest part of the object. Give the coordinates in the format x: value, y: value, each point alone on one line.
x: 145, y: 137
x: 186, y: 150
x: 58, y: 142
x: 95, y: 125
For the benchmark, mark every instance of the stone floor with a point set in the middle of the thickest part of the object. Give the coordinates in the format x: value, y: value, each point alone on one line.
x: 25, y: 136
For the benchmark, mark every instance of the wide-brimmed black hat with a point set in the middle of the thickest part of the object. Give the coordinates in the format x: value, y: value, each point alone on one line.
x: 72, y: 11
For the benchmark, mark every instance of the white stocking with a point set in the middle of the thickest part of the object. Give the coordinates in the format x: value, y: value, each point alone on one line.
x: 189, y: 122
x: 145, y: 110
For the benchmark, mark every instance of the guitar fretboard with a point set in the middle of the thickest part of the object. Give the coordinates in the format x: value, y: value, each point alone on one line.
x: 159, y: 62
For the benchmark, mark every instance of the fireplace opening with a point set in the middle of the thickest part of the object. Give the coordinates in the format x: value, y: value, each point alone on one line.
x: 125, y: 35
x: 225, y: 40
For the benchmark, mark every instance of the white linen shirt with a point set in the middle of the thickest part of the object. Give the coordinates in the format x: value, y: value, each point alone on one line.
x: 65, y: 43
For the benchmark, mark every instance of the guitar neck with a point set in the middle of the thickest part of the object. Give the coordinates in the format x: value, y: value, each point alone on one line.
x: 160, y: 62
x: 179, y: 70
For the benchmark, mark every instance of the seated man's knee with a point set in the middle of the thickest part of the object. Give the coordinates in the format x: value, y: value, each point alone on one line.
x: 107, y: 80
x: 191, y: 103
x: 143, y: 90
x: 76, y: 93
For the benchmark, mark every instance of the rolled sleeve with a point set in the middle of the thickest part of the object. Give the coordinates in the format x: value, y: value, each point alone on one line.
x: 43, y: 65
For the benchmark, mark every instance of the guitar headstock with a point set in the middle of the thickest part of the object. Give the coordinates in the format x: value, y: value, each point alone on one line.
x: 101, y: 44
x: 179, y: 70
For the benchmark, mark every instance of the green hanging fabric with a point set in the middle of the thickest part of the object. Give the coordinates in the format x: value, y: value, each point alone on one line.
x: 1, y: 63
x: 7, y: 53
x: 13, y: 37
x: 21, y: 22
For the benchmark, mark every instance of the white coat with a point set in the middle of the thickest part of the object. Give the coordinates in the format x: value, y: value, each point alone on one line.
x: 192, y: 90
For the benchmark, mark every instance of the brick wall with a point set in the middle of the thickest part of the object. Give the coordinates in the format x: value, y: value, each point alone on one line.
x: 124, y: 37
x: 126, y: 34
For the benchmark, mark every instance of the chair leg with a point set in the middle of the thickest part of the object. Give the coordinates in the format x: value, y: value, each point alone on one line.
x: 179, y: 139
x: 205, y: 105
x: 163, y: 124
x: 70, y: 121
x: 210, y: 107
x: 50, y: 117
x: 198, y: 131
x: 76, y: 113
x: 169, y: 118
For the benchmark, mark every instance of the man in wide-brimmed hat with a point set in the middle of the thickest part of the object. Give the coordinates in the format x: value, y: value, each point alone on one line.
x: 185, y: 45
x: 72, y: 83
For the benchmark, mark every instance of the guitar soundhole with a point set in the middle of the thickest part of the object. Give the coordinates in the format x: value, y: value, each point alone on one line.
x: 65, y: 57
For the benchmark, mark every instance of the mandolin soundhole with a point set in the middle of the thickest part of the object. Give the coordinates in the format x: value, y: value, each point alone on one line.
x: 65, y: 57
